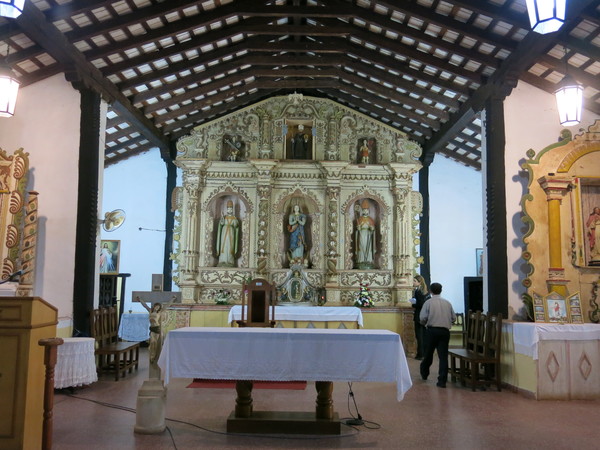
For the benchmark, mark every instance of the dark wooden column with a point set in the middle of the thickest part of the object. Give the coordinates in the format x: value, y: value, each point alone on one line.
x: 87, y: 211
x: 169, y: 220
x: 497, y: 282
x: 424, y: 219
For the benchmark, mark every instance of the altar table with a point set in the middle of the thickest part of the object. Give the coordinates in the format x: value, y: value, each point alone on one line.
x: 286, y: 354
x: 307, y: 313
x: 134, y: 327
x: 555, y: 362
x: 75, y: 363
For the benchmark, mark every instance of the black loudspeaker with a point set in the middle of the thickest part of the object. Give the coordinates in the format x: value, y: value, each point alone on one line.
x: 473, y: 294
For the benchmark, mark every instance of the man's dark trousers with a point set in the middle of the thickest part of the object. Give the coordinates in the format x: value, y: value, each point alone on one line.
x: 436, y: 338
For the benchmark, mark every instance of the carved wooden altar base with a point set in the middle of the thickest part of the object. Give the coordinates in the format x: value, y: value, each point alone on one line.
x: 323, y: 421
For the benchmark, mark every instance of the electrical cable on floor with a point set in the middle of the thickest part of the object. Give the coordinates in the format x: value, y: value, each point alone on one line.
x: 270, y: 436
x: 357, y: 420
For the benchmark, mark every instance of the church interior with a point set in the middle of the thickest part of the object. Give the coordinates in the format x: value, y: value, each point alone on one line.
x: 183, y: 184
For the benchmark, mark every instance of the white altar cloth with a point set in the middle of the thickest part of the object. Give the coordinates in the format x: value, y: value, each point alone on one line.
x: 526, y: 335
x: 134, y: 327
x: 308, y: 313
x: 286, y: 354
x: 75, y: 363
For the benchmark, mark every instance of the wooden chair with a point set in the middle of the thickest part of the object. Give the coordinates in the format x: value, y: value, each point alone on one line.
x: 479, y: 361
x: 459, y: 329
x: 112, y: 354
x: 261, y: 296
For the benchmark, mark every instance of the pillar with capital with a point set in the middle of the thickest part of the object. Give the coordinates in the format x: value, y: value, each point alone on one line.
x: 555, y: 189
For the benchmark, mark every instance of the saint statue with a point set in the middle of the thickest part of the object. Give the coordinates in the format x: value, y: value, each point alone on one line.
x: 227, y: 238
x: 300, y: 144
x: 364, y: 152
x: 296, y: 222
x: 364, y: 238
x: 593, y: 233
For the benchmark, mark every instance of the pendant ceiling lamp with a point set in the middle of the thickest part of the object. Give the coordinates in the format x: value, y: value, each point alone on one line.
x: 569, y: 100
x: 546, y: 16
x: 11, y: 8
x: 9, y: 87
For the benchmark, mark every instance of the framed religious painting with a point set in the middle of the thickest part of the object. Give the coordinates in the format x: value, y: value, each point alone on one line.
x: 539, y: 311
x: 110, y: 252
x: 585, y: 197
x: 574, y: 303
x: 479, y: 261
x: 557, y: 308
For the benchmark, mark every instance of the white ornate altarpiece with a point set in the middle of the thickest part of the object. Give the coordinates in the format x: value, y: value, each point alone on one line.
x: 562, y: 243
x: 297, y: 182
x: 18, y: 223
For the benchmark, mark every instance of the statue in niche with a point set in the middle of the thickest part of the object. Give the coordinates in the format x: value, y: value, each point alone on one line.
x: 227, y: 237
x: 233, y: 147
x: 301, y: 144
x: 297, y: 246
x: 366, y: 148
x: 593, y: 231
x: 364, y: 237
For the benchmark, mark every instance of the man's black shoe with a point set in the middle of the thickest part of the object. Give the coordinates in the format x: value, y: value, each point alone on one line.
x: 441, y: 385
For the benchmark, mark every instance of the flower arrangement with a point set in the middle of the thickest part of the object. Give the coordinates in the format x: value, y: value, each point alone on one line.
x: 222, y: 296
x: 363, y: 297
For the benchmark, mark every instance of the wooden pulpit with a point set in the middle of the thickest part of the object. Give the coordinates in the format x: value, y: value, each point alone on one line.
x: 258, y: 294
x: 23, y: 322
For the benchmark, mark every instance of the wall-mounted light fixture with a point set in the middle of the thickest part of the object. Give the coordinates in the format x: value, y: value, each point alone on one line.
x: 9, y: 87
x: 11, y: 8
x: 546, y: 16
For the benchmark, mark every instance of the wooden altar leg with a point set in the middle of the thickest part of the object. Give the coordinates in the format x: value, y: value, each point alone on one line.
x: 50, y: 351
x: 324, y: 400
x: 243, y: 402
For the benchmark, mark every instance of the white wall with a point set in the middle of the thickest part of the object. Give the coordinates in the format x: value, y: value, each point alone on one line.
x: 138, y: 186
x: 456, y: 225
x: 531, y: 122
x: 46, y: 125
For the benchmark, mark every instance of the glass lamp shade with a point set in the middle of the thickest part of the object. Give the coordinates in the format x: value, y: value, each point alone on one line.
x: 9, y: 87
x: 569, y: 100
x: 546, y: 16
x: 11, y: 8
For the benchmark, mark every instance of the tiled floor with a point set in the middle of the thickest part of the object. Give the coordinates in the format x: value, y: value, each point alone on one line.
x: 102, y: 416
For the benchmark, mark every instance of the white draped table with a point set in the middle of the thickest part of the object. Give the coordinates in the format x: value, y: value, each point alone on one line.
x: 527, y: 335
x: 285, y: 354
x: 307, y: 313
x: 134, y: 327
x: 75, y: 363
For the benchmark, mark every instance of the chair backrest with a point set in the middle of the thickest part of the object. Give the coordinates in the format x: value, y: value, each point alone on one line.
x: 493, y: 336
x: 104, y: 325
x: 473, y: 319
x: 460, y: 323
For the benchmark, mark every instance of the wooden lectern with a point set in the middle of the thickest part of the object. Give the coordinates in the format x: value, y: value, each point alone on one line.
x: 23, y: 322
x: 260, y: 294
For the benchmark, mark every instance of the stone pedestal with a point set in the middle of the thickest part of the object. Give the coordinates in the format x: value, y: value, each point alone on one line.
x: 151, y: 403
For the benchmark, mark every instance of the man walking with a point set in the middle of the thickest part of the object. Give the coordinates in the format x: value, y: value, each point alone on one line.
x: 437, y: 316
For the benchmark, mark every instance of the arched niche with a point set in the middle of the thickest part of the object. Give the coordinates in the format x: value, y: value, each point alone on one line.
x: 218, y: 210
x: 360, y: 210
x: 308, y: 207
